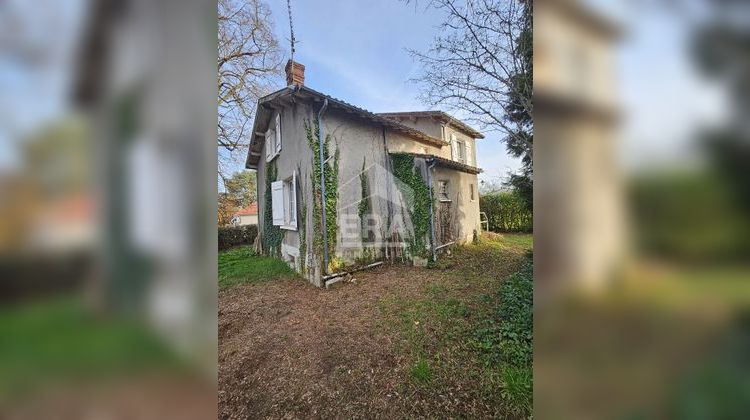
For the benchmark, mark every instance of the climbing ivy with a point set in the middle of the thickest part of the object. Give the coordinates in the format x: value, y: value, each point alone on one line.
x: 302, y: 228
x: 331, y: 171
x: 419, y: 210
x: 364, y: 203
x: 271, y: 235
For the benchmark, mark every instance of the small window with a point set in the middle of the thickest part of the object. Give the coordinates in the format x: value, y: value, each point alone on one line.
x: 290, y: 202
x: 277, y: 131
x: 270, y: 145
x: 461, y: 151
x: 471, y: 191
x: 443, y: 191
x: 458, y: 149
x: 273, y: 139
x: 284, y: 203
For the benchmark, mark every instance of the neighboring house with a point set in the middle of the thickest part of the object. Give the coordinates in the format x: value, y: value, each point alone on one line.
x: 246, y: 216
x: 65, y: 224
x: 376, y: 177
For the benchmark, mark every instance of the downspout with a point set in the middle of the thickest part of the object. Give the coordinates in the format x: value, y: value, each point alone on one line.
x: 432, y: 164
x: 321, y: 155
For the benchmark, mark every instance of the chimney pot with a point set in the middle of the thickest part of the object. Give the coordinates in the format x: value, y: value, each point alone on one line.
x: 295, y: 74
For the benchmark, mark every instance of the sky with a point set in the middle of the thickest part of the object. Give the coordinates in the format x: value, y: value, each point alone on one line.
x: 35, y: 66
x: 356, y: 50
x: 665, y: 100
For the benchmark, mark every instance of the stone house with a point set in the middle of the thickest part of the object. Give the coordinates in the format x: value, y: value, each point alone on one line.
x: 340, y: 187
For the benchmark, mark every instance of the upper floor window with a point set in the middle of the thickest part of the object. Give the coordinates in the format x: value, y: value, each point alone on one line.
x: 458, y: 149
x: 273, y: 139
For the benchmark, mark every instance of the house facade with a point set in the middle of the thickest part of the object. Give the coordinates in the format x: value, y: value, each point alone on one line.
x: 340, y: 187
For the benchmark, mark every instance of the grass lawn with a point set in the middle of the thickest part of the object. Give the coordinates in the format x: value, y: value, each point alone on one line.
x: 58, y: 339
x: 475, y: 330
x: 240, y: 265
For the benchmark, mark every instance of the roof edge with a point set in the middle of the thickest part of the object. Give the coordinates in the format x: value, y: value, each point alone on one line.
x: 442, y: 115
x: 452, y: 164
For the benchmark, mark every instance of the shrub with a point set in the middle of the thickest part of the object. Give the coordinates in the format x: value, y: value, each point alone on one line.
x: 506, y: 212
x: 237, y: 235
x: 505, y: 341
x: 688, y: 216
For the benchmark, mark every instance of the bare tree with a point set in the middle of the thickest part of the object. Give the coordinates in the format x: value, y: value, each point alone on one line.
x: 249, y: 66
x: 480, y: 63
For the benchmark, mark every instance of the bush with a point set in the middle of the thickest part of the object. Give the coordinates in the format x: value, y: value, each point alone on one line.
x: 237, y: 235
x: 506, y: 212
x: 688, y: 216
x: 506, y: 340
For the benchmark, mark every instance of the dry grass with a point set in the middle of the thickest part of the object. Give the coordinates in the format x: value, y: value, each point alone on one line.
x: 287, y: 349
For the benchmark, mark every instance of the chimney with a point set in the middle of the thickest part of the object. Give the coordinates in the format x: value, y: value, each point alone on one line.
x: 295, y: 75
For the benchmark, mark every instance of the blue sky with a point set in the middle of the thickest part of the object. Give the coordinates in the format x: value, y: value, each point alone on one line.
x: 665, y: 101
x: 35, y: 65
x: 355, y: 50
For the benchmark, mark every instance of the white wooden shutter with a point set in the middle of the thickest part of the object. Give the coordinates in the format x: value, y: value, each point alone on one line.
x: 277, y: 202
x: 469, y: 156
x: 278, y: 133
x: 270, y: 148
x: 293, y: 202
x: 454, y: 147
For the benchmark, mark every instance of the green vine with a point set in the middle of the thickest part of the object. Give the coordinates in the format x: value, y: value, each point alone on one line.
x: 364, y: 207
x: 272, y: 235
x: 419, y: 210
x: 302, y: 229
x: 331, y: 172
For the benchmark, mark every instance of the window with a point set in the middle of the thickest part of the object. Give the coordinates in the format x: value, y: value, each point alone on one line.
x: 284, y: 202
x: 458, y: 149
x: 273, y: 139
x: 461, y: 152
x: 471, y: 191
x: 443, y: 192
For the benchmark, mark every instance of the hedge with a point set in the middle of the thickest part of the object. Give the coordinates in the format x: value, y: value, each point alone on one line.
x: 506, y: 212
x: 237, y: 235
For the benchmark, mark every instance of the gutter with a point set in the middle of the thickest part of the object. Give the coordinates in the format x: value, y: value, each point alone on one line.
x: 321, y: 144
x: 431, y: 165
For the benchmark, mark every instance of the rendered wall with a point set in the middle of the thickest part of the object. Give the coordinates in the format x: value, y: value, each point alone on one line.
x: 465, y: 211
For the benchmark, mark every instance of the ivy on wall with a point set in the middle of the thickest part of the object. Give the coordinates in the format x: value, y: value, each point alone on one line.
x: 419, y: 210
x: 271, y: 235
x: 302, y: 224
x: 364, y: 207
x: 331, y: 172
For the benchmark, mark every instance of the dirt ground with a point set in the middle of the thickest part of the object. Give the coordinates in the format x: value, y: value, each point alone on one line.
x: 143, y: 397
x: 290, y: 350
